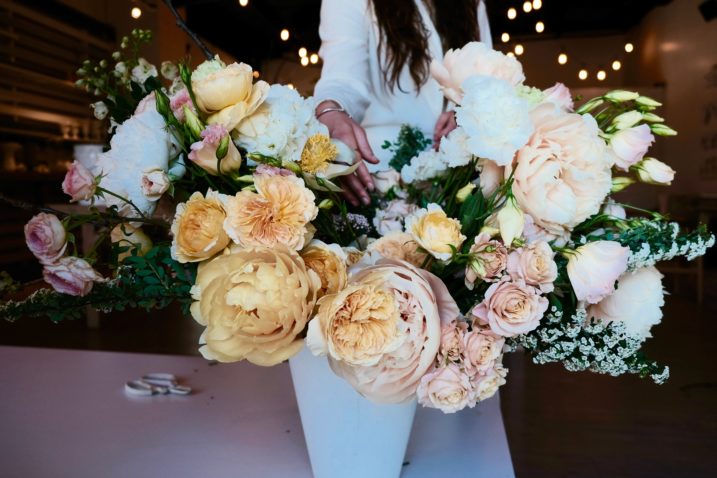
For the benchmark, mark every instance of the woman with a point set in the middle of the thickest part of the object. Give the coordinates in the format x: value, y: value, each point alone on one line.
x: 375, y: 76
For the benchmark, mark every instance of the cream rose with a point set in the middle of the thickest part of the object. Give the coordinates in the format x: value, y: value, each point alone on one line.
x: 475, y: 58
x: 594, y: 268
x: 254, y: 303
x: 637, y: 302
x: 511, y: 308
x: 329, y: 263
x: 79, y: 183
x: 198, y: 228
x: 435, y: 232
x: 446, y: 388
x: 562, y: 176
x: 386, y: 179
x: 400, y: 246
x: 71, y: 275
x: 481, y: 351
x: 45, y: 237
x: 127, y: 235
x: 155, y: 182
x: 382, y: 332
x: 279, y: 212
x: 535, y: 265
x: 488, y: 260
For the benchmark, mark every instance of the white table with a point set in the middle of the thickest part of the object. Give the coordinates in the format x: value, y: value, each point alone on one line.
x: 64, y: 413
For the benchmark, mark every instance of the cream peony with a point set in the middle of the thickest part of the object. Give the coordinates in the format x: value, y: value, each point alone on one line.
x: 474, y: 58
x: 488, y: 260
x: 562, y: 176
x: 511, y: 308
x: 279, y: 212
x: 71, y: 275
x: 328, y: 261
x: 254, y: 303
x: 382, y: 332
x: 481, y: 351
x: 446, y: 388
x: 630, y: 145
x: 637, y: 302
x: 198, y: 227
x: 594, y: 268
x: 45, y: 237
x: 435, y: 232
x: 534, y: 264
x: 399, y: 246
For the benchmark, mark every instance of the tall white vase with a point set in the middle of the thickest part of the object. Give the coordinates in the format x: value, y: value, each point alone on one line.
x: 347, y: 435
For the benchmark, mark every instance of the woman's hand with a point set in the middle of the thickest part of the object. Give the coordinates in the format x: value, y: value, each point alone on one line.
x: 445, y: 124
x: 343, y: 128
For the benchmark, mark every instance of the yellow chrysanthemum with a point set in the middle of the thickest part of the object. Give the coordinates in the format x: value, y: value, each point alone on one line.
x: 318, y: 152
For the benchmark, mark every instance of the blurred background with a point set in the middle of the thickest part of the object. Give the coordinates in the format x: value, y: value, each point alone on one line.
x: 559, y: 423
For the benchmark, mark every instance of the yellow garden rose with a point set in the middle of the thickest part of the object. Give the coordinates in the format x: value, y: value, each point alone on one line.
x: 198, y: 228
x: 254, y: 303
x: 278, y: 213
x: 435, y: 231
x: 329, y: 263
x: 400, y: 246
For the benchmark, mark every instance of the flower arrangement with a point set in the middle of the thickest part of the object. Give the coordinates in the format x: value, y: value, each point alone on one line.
x: 221, y: 193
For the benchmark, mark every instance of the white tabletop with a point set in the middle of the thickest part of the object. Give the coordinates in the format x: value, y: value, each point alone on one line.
x: 64, y: 413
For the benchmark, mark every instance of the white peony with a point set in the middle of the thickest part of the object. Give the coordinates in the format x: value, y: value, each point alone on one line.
x: 495, y: 118
x: 637, y: 302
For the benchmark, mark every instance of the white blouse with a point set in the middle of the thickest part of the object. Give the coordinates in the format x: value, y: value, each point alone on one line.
x: 351, y: 73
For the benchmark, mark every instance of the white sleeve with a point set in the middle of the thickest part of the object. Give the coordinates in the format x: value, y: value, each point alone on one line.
x: 344, y: 31
x: 483, y: 25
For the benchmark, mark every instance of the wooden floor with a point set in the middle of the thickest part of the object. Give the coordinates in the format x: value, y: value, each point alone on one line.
x: 559, y: 424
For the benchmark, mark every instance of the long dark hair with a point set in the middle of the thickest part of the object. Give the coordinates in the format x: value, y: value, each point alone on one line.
x: 404, y: 37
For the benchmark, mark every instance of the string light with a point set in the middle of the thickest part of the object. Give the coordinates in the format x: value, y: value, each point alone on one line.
x: 562, y: 58
x: 518, y: 49
x: 136, y: 12
x: 505, y: 38
x: 302, y: 52
x: 304, y: 60
x: 512, y: 13
x: 583, y: 74
x: 527, y: 7
x: 616, y: 65
x: 601, y: 75
x: 256, y: 74
x: 243, y: 3
x: 290, y: 86
x: 314, y: 59
x: 284, y: 35
x: 629, y: 47
x: 511, y: 54
x: 540, y: 27
x: 537, y: 4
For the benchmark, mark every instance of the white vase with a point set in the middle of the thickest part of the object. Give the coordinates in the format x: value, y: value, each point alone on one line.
x: 347, y: 435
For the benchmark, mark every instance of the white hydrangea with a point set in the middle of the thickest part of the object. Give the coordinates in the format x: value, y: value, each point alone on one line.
x: 281, y: 125
x: 495, y: 118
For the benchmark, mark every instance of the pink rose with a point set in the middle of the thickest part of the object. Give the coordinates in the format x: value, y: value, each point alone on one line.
x: 446, y: 388
x: 474, y: 58
x: 452, y: 340
x: 481, y: 351
x: 594, y: 268
x: 204, y: 153
x: 178, y: 101
x: 79, y: 183
x: 488, y: 260
x: 485, y: 386
x: 71, y: 275
x: 155, y: 182
x: 45, y: 237
x: 534, y: 264
x: 386, y: 179
x: 630, y: 145
x: 560, y: 96
x: 511, y: 308
x: 392, y: 217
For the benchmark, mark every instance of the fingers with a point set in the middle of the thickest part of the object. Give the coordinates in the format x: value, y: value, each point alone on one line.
x: 443, y: 119
x: 349, y: 195
x: 357, y: 189
x: 364, y: 176
x: 363, y: 147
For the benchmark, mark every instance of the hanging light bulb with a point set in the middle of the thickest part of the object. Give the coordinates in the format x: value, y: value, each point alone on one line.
x: 537, y: 4
x: 136, y: 12
x: 629, y: 47
x: 314, y: 58
x: 256, y: 74
x: 527, y: 7
x: 284, y: 35
x: 512, y: 13
x: 304, y: 60
x: 540, y: 27
x: 583, y: 74
x: 243, y: 3
x: 302, y: 52
x: 511, y: 54
x: 601, y: 75
x: 562, y: 58
x: 505, y: 38
x: 290, y: 86
x: 616, y: 65
x: 518, y: 49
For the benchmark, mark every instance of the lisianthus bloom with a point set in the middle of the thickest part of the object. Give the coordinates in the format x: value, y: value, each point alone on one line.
x: 71, y: 275
x: 654, y: 171
x: 178, y: 101
x: 329, y: 263
x: 45, y: 237
x: 198, y: 227
x: 435, y: 232
x: 400, y: 246
x: 535, y: 265
x: 254, y: 303
x: 488, y: 260
x: 279, y: 212
x: 133, y: 237
x: 204, y: 152
x: 594, y: 267
x: 630, y: 145
x: 511, y: 308
x: 383, y: 331
x: 79, y: 183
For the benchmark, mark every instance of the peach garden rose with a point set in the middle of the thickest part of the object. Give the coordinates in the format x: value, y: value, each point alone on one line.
x: 198, y: 227
x: 400, y: 246
x: 329, y: 263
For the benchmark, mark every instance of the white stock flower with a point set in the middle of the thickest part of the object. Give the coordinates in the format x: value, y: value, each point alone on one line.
x: 427, y: 165
x: 143, y: 71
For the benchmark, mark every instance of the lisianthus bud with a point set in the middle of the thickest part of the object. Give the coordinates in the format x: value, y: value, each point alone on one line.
x: 291, y: 166
x: 193, y: 122
x: 510, y: 221
x: 590, y: 105
x: 627, y: 120
x: 662, y: 130
x: 326, y: 204
x: 652, y: 118
x: 618, y: 96
x: 654, y: 171
x: 464, y: 192
x: 647, y: 101
x: 620, y: 182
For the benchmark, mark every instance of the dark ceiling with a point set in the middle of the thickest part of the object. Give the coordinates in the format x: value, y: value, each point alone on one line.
x: 251, y: 33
